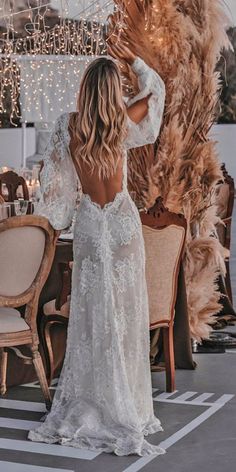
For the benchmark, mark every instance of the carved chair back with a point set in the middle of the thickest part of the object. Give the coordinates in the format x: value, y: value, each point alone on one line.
x: 164, y: 237
x: 27, y: 247
x: 225, y: 203
x: 13, y: 181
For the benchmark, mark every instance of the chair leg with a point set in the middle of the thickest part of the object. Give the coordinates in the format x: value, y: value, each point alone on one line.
x: 47, y: 347
x: 169, y: 358
x: 39, y: 367
x: 50, y: 354
x: 154, y: 338
x: 228, y: 281
x: 3, y: 370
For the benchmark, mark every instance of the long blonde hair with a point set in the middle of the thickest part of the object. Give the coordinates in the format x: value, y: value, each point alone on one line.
x: 99, y: 127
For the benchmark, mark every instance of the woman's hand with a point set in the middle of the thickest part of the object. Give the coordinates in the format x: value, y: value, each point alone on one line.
x: 121, y: 52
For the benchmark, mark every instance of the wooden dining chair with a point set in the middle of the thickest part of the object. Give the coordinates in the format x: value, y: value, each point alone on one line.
x: 12, y: 182
x: 1, y: 200
x: 225, y: 204
x: 164, y: 237
x: 27, y: 247
x: 55, y: 312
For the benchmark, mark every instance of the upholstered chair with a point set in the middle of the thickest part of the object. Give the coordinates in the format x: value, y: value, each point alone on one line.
x: 225, y: 203
x: 56, y: 312
x: 13, y: 181
x: 164, y: 236
x: 52, y: 316
x: 27, y: 247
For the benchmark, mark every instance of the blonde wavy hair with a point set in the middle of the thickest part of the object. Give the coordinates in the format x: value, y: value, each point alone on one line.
x: 99, y: 126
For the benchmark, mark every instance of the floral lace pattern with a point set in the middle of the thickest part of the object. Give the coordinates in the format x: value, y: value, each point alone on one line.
x: 104, y: 398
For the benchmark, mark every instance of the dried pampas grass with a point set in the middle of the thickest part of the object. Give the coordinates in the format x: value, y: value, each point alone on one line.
x: 182, y: 40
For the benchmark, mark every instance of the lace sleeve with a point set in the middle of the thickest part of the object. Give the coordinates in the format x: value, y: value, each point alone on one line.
x: 58, y: 178
x: 146, y: 132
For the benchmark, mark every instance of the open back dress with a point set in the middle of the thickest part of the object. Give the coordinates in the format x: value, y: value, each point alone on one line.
x: 103, y: 401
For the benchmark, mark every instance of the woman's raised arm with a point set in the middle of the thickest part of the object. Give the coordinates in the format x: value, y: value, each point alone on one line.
x: 145, y: 110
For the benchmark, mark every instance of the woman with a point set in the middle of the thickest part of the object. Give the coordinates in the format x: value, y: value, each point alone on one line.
x: 104, y: 398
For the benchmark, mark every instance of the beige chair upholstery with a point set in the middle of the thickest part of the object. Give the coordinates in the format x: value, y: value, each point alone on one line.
x: 27, y: 248
x: 163, y: 250
x: 21, y: 253
x: 11, y: 321
x: 164, y: 237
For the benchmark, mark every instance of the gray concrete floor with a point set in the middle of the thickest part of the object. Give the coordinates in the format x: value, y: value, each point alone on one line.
x: 199, y: 434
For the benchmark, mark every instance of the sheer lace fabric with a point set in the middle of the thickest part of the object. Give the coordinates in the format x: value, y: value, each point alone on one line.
x: 104, y: 398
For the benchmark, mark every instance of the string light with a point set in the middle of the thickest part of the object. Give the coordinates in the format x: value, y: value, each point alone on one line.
x: 68, y: 46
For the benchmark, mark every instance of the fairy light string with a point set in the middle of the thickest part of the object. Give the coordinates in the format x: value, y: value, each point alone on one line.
x: 81, y: 37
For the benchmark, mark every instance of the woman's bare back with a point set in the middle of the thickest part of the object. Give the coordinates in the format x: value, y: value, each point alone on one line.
x: 104, y: 191
x: 101, y: 191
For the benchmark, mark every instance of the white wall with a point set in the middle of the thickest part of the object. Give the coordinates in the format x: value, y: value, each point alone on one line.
x: 230, y: 7
x: 11, y: 146
x: 226, y: 147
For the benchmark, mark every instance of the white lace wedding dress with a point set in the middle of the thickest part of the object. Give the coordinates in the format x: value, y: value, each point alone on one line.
x: 104, y: 398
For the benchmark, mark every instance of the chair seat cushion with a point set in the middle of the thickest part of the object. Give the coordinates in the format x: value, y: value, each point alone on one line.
x: 11, y: 321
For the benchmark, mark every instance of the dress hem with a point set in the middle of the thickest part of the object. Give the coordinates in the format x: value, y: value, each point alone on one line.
x: 119, y: 446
